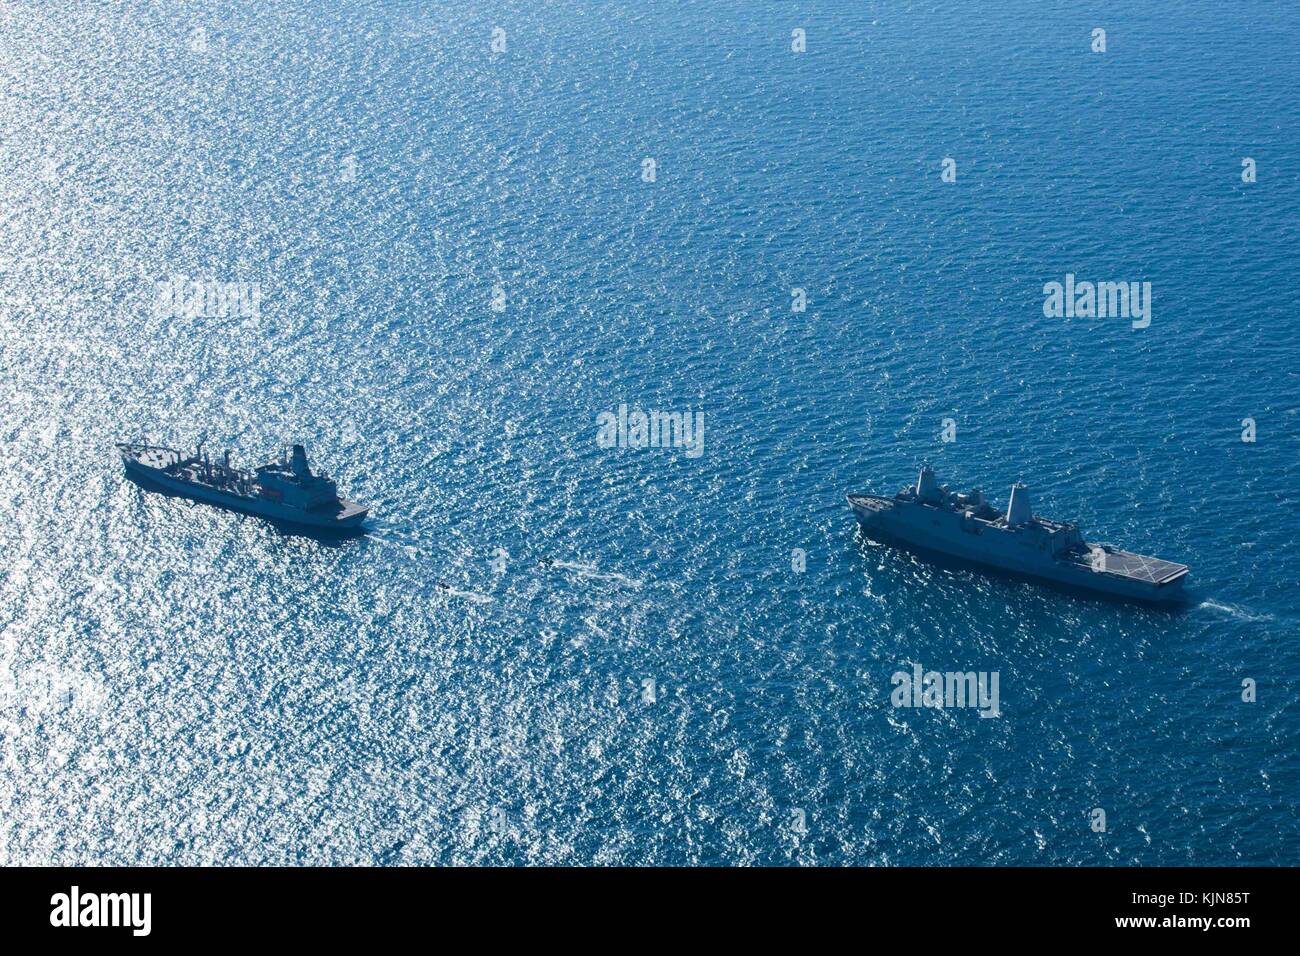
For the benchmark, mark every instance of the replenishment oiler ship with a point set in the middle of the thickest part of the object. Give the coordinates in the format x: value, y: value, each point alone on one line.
x: 928, y: 517
x: 284, y: 490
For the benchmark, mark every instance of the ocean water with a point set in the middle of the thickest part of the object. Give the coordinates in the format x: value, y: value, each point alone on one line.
x: 544, y: 651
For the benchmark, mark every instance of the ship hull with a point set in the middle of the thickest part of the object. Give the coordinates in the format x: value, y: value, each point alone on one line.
x: 940, y: 535
x: 349, y: 521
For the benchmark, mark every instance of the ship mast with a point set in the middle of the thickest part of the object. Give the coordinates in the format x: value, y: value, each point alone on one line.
x: 1018, y: 511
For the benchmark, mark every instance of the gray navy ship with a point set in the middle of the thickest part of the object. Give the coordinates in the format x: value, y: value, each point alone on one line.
x: 931, y: 518
x: 285, y: 490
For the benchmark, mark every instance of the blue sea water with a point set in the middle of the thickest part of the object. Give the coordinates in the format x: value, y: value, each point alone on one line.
x: 460, y: 266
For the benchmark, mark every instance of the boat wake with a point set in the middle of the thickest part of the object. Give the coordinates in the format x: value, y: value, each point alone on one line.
x: 591, y: 572
x: 1233, y: 610
x: 382, y: 536
x: 475, y: 597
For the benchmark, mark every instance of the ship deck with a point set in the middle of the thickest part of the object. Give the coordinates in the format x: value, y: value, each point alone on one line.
x: 343, y: 510
x: 1143, y: 568
x: 871, y: 502
x: 150, y: 456
x: 1139, y: 567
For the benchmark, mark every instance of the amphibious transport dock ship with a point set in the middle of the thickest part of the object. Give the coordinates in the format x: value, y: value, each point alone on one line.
x: 284, y: 490
x: 932, y: 518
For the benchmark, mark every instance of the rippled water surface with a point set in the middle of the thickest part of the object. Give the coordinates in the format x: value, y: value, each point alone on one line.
x: 468, y: 682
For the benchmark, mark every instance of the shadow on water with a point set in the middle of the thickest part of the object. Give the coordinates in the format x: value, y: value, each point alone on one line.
x: 329, y: 537
x: 1178, y: 605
